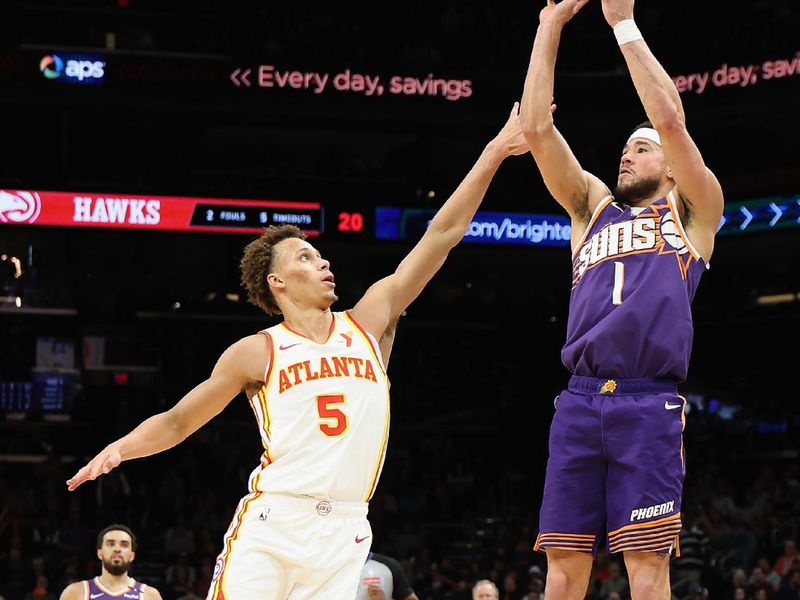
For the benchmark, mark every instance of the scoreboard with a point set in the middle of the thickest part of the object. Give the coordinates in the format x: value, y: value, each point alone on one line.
x: 164, y: 213
x: 356, y: 221
x: 179, y: 213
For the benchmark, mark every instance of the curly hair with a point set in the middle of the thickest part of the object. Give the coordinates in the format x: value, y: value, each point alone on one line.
x: 257, y: 263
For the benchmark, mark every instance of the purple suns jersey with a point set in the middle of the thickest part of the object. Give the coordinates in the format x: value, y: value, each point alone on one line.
x: 94, y: 590
x: 634, y: 275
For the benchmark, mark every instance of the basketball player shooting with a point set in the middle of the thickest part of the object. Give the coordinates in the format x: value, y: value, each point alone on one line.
x: 318, y: 387
x: 616, y: 464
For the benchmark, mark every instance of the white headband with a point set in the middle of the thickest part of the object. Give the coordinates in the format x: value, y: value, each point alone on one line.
x: 647, y: 133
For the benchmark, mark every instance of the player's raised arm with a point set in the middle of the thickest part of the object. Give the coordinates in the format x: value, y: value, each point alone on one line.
x: 167, y: 429
x: 698, y: 188
x: 387, y: 298
x: 575, y: 189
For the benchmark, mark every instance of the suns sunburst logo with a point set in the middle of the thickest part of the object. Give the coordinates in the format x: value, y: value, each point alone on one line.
x: 671, y: 235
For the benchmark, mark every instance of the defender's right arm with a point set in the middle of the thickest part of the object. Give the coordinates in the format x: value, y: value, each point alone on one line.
x: 241, y: 364
x: 578, y: 191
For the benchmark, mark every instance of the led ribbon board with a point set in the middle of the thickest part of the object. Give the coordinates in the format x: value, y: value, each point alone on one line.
x: 163, y: 213
x: 392, y: 223
x: 761, y: 214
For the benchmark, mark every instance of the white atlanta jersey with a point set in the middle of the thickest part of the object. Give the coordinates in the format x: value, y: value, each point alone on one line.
x: 323, y: 413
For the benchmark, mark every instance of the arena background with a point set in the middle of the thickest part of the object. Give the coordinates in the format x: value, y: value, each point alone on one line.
x: 102, y: 327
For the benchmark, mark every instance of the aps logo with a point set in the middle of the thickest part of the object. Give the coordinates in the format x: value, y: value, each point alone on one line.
x: 73, y: 68
x: 19, y: 206
x: 51, y: 66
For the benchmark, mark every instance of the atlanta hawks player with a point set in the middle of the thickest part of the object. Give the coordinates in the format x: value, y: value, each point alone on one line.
x: 319, y: 390
x: 616, y: 455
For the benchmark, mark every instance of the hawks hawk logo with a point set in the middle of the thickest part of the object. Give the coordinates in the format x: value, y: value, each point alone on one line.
x: 19, y: 206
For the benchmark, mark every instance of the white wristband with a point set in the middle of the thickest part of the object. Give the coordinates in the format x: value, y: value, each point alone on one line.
x: 626, y: 31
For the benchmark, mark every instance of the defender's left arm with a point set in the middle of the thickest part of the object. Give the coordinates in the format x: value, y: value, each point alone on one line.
x: 697, y: 188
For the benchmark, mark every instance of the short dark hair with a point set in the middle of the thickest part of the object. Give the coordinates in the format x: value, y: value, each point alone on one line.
x: 116, y: 527
x: 640, y: 125
x: 257, y: 262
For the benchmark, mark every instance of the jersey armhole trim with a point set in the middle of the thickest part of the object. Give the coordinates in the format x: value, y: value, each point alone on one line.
x: 673, y: 207
x: 271, y: 346
x: 597, y: 210
x: 368, y: 338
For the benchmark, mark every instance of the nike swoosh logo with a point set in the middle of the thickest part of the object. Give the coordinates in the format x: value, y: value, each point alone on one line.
x: 95, y: 595
x: 669, y: 406
x: 359, y: 540
x: 287, y: 346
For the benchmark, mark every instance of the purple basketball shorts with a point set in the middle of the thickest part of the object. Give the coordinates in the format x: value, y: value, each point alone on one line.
x: 616, y: 467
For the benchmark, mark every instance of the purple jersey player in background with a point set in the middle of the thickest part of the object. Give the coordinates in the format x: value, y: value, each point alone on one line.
x: 116, y: 549
x: 615, y: 472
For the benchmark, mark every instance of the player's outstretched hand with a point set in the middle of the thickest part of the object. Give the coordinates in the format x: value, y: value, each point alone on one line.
x: 561, y: 12
x: 617, y: 10
x: 510, y: 138
x: 101, y: 464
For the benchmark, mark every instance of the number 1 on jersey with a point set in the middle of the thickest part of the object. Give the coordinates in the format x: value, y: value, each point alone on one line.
x: 339, y: 420
x: 619, y: 281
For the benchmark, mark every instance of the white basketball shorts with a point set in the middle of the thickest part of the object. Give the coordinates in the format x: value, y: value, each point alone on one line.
x: 282, y: 547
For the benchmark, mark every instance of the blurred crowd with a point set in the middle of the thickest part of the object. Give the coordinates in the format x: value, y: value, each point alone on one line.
x: 452, y: 507
x: 459, y: 495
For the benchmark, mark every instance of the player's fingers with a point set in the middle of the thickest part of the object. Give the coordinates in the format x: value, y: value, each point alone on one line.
x: 514, y: 110
x: 98, y: 466
x: 72, y: 484
x: 79, y: 477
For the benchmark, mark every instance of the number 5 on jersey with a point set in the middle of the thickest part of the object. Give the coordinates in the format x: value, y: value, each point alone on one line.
x: 333, y: 422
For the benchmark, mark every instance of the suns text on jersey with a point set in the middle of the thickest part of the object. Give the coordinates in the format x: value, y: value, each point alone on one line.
x: 334, y: 366
x: 627, y: 237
